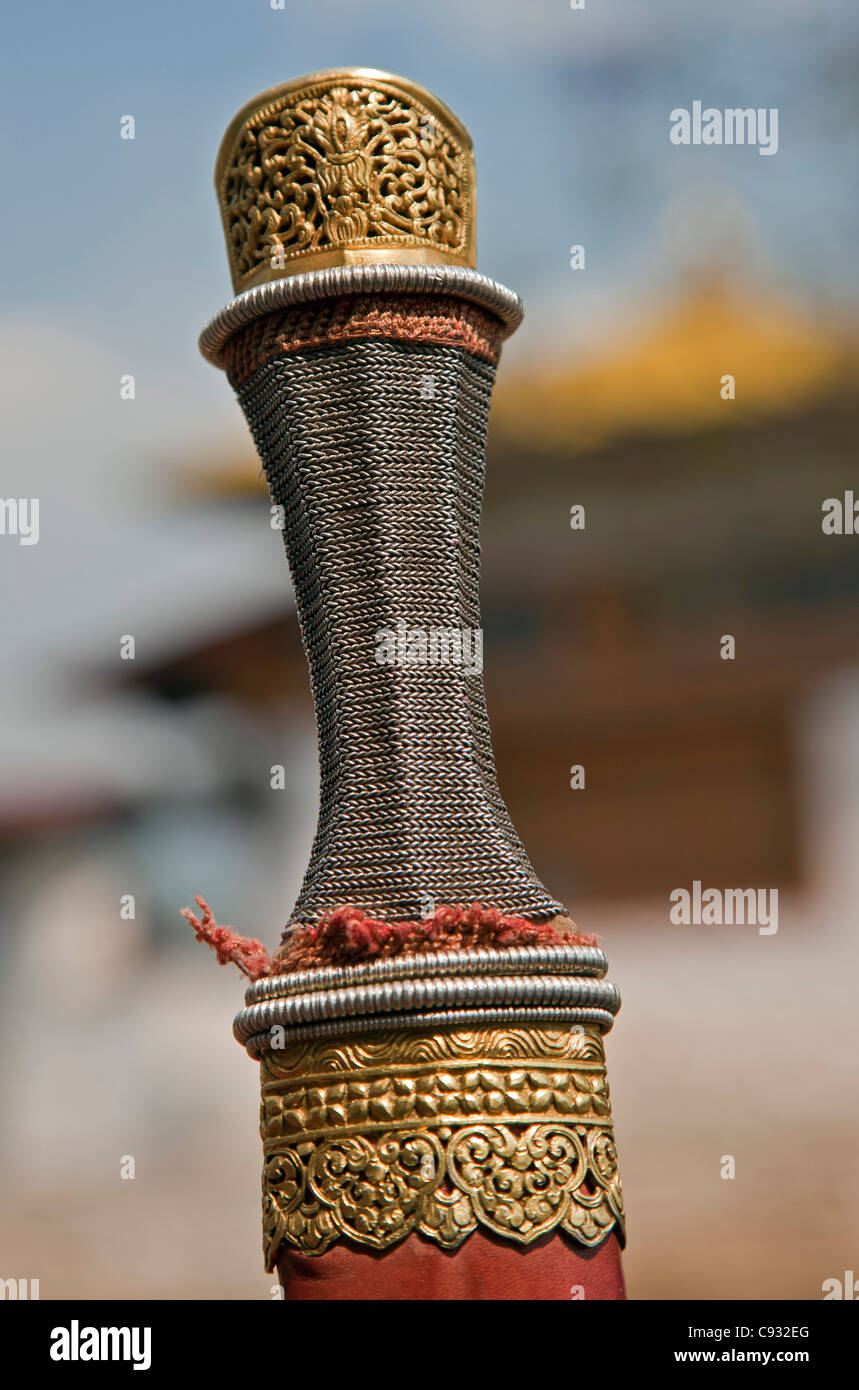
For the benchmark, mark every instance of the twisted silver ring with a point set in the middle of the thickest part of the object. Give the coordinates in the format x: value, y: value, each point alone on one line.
x: 560, y: 959
x: 394, y: 997
x: 447, y: 1018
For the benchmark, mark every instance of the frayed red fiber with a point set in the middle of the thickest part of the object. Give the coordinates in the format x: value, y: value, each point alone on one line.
x: 347, y: 935
x: 250, y: 956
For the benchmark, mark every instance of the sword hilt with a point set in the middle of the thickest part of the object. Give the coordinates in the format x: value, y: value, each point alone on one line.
x: 405, y: 1095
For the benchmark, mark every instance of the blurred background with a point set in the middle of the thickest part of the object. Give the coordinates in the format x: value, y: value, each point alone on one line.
x: 150, y: 778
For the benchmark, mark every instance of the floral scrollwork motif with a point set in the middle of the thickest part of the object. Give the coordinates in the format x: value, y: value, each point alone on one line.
x: 287, y: 1214
x: 377, y: 1190
x: 343, y: 164
x: 520, y: 1185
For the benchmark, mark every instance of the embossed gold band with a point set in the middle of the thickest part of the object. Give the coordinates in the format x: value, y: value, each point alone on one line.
x: 380, y: 1135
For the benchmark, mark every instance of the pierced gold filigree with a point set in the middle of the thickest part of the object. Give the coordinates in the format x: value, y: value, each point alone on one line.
x: 340, y: 168
x: 386, y: 1134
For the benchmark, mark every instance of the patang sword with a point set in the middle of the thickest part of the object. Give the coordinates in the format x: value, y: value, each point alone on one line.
x: 435, y: 1112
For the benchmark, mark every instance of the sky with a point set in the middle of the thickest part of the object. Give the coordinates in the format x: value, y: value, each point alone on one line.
x: 113, y: 249
x: 113, y: 254
x: 568, y: 111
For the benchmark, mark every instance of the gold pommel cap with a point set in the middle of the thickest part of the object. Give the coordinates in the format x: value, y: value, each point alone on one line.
x: 345, y: 167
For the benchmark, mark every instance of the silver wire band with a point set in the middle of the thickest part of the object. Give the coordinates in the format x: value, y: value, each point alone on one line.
x: 481, y: 960
x: 357, y: 279
x: 408, y: 995
x: 409, y: 804
x: 446, y: 1018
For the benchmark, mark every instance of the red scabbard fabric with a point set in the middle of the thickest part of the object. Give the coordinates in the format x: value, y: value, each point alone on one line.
x: 484, y: 1268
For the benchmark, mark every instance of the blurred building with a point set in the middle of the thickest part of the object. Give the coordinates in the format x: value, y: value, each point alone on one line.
x: 701, y: 519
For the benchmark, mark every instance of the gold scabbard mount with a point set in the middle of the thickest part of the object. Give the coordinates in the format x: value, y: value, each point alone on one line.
x: 350, y: 166
x: 438, y: 1132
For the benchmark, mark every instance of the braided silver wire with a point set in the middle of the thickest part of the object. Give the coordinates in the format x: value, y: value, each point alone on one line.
x: 572, y: 960
x: 357, y: 279
x: 444, y: 1018
x: 381, y: 484
x: 399, y: 996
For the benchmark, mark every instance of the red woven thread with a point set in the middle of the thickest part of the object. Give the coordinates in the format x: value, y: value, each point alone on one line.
x: 406, y: 318
x: 347, y: 935
x: 250, y: 956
